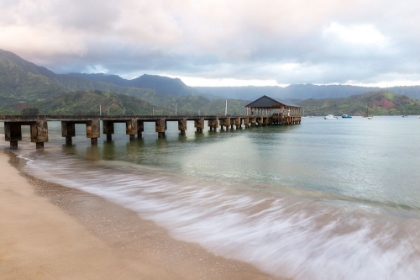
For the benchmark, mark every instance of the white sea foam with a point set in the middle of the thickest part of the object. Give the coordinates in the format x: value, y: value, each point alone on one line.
x: 282, y: 235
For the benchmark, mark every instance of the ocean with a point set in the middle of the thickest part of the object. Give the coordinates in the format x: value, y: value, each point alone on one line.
x: 326, y: 199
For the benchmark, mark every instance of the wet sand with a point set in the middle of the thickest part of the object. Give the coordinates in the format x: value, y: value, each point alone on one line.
x: 48, y: 231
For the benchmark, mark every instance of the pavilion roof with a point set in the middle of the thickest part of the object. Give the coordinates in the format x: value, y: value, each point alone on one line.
x: 270, y: 102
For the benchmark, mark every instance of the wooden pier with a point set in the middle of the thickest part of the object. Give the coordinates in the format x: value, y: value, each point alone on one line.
x: 134, y: 125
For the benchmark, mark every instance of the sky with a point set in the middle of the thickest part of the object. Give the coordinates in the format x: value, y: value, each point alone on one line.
x: 221, y: 42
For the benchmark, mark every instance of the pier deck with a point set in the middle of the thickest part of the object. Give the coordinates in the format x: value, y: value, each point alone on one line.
x: 134, y: 125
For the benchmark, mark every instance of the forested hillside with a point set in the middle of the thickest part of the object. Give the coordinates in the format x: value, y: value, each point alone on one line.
x: 378, y: 103
x: 26, y: 85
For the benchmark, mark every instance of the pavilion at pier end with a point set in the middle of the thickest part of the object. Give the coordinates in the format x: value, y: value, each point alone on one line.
x: 277, y: 111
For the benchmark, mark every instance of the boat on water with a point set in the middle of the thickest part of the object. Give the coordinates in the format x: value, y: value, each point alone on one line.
x: 345, y: 116
x: 367, y: 114
x: 330, y: 117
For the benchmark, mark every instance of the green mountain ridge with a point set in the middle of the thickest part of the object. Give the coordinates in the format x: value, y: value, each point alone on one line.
x: 383, y: 102
x: 162, y: 85
x: 24, y: 84
x: 89, y: 103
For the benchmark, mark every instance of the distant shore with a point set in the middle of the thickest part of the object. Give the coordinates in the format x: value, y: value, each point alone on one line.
x: 52, y: 232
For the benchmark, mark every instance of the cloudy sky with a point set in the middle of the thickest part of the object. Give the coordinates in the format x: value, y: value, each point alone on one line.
x: 221, y: 42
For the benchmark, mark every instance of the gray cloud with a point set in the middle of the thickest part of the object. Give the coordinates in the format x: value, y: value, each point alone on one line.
x: 319, y: 41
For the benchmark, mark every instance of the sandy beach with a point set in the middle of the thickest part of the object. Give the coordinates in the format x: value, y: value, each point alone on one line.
x: 52, y: 232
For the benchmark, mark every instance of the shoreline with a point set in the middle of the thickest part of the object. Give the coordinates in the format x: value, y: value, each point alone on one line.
x: 55, y: 232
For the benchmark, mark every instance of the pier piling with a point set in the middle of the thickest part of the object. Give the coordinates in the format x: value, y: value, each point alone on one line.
x: 108, y: 129
x: 39, y: 133
x: 161, y: 127
x: 13, y: 133
x: 93, y: 130
x: 213, y: 124
x: 199, y: 124
x: 68, y: 130
x: 182, y: 126
x: 225, y: 122
x: 131, y: 128
x: 140, y: 128
x: 14, y: 144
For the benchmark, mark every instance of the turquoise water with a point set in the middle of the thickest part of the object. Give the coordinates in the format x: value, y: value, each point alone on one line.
x: 335, y: 199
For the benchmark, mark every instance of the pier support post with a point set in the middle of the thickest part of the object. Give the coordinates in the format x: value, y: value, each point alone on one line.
x: 13, y: 144
x: 13, y: 133
x: 246, y: 122
x: 108, y: 129
x: 260, y: 121
x: 253, y: 122
x: 39, y: 133
x: 131, y: 128
x: 68, y: 130
x: 39, y: 145
x: 238, y: 123
x: 93, y: 130
x: 199, y: 124
x: 161, y: 127
x: 225, y: 122
x: 266, y: 121
x: 140, y: 128
x: 213, y: 124
x: 182, y: 126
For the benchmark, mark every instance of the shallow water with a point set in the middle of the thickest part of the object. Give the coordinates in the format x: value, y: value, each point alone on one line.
x: 324, y: 199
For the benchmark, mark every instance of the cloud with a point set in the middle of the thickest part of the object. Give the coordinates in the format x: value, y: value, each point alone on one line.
x: 319, y: 41
x: 364, y: 35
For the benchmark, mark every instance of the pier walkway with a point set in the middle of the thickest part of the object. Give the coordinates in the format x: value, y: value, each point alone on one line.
x: 134, y: 125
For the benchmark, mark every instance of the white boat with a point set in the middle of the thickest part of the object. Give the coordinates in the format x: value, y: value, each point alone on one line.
x: 330, y: 117
x: 367, y: 114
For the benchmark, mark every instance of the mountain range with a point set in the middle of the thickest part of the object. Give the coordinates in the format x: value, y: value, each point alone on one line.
x: 24, y: 84
x: 304, y: 91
